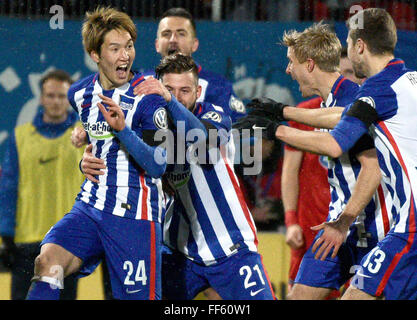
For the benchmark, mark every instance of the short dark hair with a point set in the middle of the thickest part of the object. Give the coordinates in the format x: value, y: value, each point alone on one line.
x: 182, y: 13
x: 176, y: 63
x: 379, y: 31
x: 59, y: 75
x: 343, y: 53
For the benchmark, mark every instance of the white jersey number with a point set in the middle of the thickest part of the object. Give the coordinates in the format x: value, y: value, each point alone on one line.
x: 378, y: 257
x: 248, y: 271
x: 140, y: 274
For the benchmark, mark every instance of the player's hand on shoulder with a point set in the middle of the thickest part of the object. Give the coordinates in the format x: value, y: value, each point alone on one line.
x: 78, y: 137
x: 266, y: 107
x: 152, y: 86
x: 113, y: 114
x: 90, y: 165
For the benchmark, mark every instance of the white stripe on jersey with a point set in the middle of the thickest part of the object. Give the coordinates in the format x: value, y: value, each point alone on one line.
x: 385, y: 148
x: 204, y: 84
x: 161, y: 200
x: 198, y: 234
x: 379, y: 217
x: 334, y: 183
x: 213, y: 212
x: 406, y: 135
x: 234, y: 204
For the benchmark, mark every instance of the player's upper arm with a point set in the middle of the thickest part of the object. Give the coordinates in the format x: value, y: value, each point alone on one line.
x: 151, y: 116
x: 292, y: 160
x: 151, y: 113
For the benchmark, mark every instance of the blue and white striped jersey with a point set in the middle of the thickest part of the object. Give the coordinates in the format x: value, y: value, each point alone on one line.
x: 375, y: 220
x: 125, y: 189
x: 209, y: 219
x: 393, y: 94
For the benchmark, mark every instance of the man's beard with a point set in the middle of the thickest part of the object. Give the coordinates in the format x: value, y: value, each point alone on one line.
x: 359, y: 70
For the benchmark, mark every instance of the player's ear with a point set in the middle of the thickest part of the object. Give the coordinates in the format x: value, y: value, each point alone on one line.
x: 360, y: 46
x: 196, y: 43
x: 157, y: 45
x: 199, y: 90
x: 310, y: 65
x: 95, y: 56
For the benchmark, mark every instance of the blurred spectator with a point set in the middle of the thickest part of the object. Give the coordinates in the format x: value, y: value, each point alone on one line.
x: 39, y: 182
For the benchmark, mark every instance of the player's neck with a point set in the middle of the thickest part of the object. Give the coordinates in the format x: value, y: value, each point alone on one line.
x: 377, y: 63
x: 54, y: 120
x: 106, y: 84
x: 325, y: 83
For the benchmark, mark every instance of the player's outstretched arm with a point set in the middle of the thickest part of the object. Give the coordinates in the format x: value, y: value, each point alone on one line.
x: 318, y: 118
x: 326, y: 118
x: 335, y: 232
x: 312, y: 141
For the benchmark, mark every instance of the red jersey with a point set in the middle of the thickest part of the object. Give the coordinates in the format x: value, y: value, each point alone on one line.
x: 314, y: 191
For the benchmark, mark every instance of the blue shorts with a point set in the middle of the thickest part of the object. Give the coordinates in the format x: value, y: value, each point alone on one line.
x: 132, y: 249
x: 390, y: 269
x: 238, y: 277
x: 330, y: 273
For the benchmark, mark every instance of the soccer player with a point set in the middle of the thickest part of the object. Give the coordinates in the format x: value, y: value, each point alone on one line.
x: 119, y: 216
x: 301, y: 170
x: 354, y: 176
x: 384, y: 106
x: 32, y: 201
x: 177, y: 33
x: 208, y: 225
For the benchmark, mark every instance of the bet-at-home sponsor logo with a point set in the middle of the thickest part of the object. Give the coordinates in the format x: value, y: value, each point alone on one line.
x: 99, y: 130
x: 178, y: 179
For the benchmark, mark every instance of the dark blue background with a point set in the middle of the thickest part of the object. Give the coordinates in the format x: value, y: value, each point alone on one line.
x: 248, y: 54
